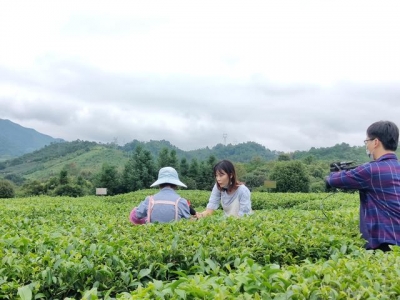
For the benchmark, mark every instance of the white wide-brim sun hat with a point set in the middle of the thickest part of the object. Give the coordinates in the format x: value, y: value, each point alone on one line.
x: 168, y: 175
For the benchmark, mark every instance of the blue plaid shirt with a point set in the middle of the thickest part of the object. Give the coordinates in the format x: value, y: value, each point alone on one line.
x: 379, y: 185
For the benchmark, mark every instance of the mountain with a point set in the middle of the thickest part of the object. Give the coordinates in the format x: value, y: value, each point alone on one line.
x: 243, y: 152
x: 88, y: 157
x: 16, y: 140
x: 339, y: 152
x: 85, y: 157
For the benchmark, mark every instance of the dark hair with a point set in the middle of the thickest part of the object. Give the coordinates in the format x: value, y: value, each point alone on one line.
x: 163, y: 185
x: 227, y: 167
x: 385, y: 131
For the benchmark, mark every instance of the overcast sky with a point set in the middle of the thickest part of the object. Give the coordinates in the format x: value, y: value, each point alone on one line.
x: 289, y: 75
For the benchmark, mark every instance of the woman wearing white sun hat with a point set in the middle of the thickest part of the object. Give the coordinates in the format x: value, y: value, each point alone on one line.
x: 166, y: 205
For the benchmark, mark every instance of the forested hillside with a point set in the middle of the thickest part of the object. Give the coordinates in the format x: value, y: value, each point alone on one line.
x: 91, y: 155
x: 16, y: 140
x: 339, y: 152
x: 78, y: 167
x: 243, y: 152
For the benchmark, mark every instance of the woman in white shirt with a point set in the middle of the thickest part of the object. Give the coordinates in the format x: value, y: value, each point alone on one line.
x: 234, y: 196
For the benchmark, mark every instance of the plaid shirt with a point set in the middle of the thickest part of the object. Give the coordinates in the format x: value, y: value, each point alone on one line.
x: 379, y: 185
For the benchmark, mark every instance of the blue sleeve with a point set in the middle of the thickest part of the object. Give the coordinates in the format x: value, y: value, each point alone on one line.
x: 183, y: 209
x: 141, y: 211
x: 244, y: 201
x: 215, y: 198
x: 358, y: 178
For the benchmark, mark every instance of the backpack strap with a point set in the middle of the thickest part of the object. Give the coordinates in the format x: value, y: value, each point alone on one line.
x: 152, y: 202
x: 150, y: 208
x: 176, y: 208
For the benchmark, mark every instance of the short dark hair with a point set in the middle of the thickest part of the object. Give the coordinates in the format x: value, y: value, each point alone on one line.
x: 385, y: 131
x: 163, y: 185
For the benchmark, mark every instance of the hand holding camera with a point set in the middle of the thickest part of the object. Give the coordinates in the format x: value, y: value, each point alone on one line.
x: 342, y: 166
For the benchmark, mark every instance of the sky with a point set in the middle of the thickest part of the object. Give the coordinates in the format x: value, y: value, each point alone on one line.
x: 289, y: 75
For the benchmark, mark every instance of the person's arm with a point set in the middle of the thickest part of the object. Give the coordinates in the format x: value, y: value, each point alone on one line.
x: 191, y: 209
x: 213, y: 203
x: 358, y: 178
x: 183, y: 209
x: 141, y: 211
x: 205, y: 213
x: 244, y: 201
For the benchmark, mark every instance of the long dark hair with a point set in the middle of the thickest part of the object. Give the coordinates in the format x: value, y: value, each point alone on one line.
x: 227, y: 167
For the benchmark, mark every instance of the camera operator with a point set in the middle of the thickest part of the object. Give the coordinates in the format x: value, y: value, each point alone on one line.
x: 379, y: 185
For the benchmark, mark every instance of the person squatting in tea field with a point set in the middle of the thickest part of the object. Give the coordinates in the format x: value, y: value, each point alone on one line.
x: 166, y: 205
x: 233, y: 195
x: 378, y: 183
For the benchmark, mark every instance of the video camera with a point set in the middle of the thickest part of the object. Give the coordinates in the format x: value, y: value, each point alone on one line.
x: 342, y: 166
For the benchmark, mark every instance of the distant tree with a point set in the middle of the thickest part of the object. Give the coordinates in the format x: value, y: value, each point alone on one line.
x: 309, y: 159
x: 193, y: 176
x: 254, y: 180
x: 16, y: 179
x: 140, y: 171
x: 85, y: 185
x: 163, y: 158
x: 240, y: 171
x: 109, y: 179
x: 34, y: 188
x: 63, y: 177
x: 52, y: 183
x: 72, y: 169
x: 317, y: 187
x: 204, y: 179
x: 255, y: 163
x: 283, y: 157
x: 70, y: 190
x: 317, y: 171
x: 290, y: 177
x: 184, y: 168
x: 173, y: 160
x: 80, y: 180
x: 206, y: 175
x: 6, y: 189
x: 211, y: 161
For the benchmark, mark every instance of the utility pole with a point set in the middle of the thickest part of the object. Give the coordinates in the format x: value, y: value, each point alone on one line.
x: 225, y: 135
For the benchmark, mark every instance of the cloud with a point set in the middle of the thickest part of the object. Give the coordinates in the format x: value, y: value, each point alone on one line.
x: 288, y: 76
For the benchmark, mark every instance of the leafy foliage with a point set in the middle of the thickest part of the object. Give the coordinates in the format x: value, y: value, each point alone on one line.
x: 290, y: 176
x: 109, y: 179
x: 6, y: 189
x: 86, y: 249
x: 71, y: 190
x: 139, y: 172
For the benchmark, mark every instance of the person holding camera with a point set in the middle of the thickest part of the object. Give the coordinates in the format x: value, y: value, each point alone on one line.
x: 232, y: 194
x: 378, y: 183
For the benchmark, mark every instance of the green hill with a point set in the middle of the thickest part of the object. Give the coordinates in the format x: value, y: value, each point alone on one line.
x: 88, y: 157
x: 84, y: 157
x: 243, y: 152
x: 16, y: 140
x: 77, y: 156
x: 339, y: 152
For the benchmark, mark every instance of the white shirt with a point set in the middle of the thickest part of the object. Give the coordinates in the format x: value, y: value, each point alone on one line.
x: 236, y: 204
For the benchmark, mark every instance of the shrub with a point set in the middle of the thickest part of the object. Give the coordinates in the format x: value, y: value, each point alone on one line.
x: 6, y: 189
x: 71, y: 190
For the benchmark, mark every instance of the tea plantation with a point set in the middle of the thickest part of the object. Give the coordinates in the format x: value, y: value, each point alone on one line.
x: 295, y: 246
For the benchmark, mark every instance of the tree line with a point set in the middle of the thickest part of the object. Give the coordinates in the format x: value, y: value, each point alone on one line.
x: 141, y: 170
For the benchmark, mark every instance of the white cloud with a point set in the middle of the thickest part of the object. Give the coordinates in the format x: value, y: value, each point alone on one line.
x: 289, y: 75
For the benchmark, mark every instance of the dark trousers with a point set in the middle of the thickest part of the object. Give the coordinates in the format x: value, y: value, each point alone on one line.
x: 383, y: 247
